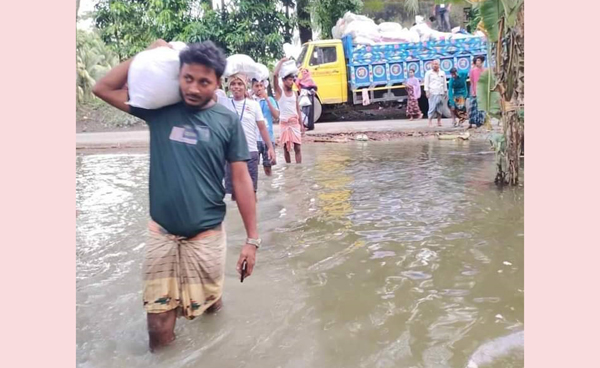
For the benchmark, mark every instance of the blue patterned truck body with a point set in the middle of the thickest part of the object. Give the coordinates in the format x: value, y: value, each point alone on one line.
x: 375, y: 67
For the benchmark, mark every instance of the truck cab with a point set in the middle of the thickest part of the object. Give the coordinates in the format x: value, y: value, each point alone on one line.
x: 345, y: 73
x: 326, y: 62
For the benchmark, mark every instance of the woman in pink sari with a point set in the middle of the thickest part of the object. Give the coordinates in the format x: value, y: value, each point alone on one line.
x: 413, y: 88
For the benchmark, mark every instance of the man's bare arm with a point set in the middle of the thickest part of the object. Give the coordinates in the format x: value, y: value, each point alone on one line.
x: 302, y: 127
x: 264, y: 133
x: 245, y: 198
x: 273, y: 109
x: 298, y: 110
x: 111, y: 88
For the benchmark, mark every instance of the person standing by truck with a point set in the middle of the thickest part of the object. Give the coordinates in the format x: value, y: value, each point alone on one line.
x: 436, y: 89
x: 304, y: 82
x: 476, y: 116
x: 457, y: 96
x: 289, y: 114
x: 413, y: 89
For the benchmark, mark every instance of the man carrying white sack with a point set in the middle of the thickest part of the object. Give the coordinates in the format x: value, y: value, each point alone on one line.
x: 250, y: 116
x: 290, y: 136
x: 190, y: 143
x: 270, y: 111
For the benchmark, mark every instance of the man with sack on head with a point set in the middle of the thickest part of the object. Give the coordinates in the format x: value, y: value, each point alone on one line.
x: 289, y: 110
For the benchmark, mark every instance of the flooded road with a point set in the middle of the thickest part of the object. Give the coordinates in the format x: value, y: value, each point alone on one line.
x: 395, y: 254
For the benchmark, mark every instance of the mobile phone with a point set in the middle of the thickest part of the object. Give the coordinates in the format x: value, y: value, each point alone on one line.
x: 244, y: 265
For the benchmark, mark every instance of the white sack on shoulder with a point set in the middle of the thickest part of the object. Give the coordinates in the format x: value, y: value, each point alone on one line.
x: 153, y: 77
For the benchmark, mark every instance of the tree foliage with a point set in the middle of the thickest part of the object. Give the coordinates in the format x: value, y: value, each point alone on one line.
x: 327, y: 12
x: 303, y: 20
x: 252, y: 27
x: 94, y: 60
x: 290, y: 19
x: 504, y: 24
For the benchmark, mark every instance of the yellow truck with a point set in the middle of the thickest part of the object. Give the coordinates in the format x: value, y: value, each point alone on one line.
x: 342, y: 70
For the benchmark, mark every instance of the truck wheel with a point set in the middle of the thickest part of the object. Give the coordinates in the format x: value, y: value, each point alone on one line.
x: 318, y: 109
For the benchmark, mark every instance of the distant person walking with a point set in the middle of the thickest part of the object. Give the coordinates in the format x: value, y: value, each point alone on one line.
x: 290, y: 136
x: 270, y: 111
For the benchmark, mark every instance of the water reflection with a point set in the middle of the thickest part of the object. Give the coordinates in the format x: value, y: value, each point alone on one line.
x: 376, y: 255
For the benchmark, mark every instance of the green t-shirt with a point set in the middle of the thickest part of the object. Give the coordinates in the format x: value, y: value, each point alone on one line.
x: 188, y: 152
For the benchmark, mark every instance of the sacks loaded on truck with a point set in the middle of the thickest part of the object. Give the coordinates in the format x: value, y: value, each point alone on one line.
x: 367, y: 64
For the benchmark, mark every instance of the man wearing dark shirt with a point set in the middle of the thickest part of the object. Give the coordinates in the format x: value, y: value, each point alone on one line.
x: 190, y: 143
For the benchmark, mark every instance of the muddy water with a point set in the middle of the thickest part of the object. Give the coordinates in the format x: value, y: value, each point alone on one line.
x: 397, y: 254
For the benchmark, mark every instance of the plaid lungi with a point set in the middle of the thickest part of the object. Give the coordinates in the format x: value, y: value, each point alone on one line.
x: 183, y: 273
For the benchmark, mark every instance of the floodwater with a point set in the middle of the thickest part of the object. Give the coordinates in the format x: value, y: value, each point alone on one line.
x: 395, y: 254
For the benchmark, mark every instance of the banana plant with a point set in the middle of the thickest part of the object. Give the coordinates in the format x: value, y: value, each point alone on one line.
x: 93, y: 60
x: 502, y: 89
x: 503, y: 23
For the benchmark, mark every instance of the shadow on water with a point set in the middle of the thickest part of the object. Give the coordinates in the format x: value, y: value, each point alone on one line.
x: 376, y: 255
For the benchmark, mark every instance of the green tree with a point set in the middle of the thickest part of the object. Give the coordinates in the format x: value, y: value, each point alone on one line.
x: 501, y: 91
x: 256, y: 29
x: 289, y: 19
x: 327, y: 12
x: 237, y: 29
x: 124, y: 25
x: 303, y: 20
x: 128, y: 26
x: 253, y: 27
x: 169, y: 18
x: 504, y: 23
x: 94, y: 60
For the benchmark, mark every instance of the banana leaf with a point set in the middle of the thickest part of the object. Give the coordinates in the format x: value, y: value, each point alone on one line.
x: 488, y: 100
x: 511, y: 8
x: 491, y: 11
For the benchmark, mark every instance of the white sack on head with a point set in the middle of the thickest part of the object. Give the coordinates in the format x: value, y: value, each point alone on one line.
x: 287, y: 68
x: 262, y: 72
x: 240, y: 63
